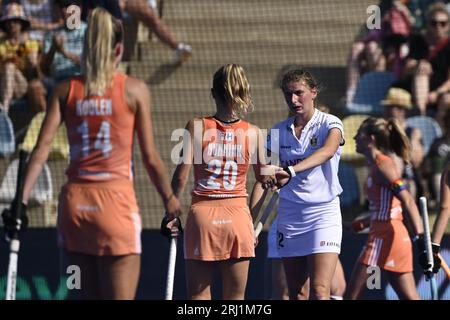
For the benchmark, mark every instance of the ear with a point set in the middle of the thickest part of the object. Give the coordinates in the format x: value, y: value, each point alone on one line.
x: 118, y: 52
x: 314, y: 93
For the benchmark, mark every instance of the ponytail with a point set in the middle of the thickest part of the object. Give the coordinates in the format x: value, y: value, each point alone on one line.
x: 389, y: 136
x: 398, y: 140
x: 102, y: 34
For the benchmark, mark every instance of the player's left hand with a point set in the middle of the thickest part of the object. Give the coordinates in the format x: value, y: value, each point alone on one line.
x: 171, y: 228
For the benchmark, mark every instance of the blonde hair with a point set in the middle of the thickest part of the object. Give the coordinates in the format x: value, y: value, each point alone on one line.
x: 389, y: 136
x: 230, y: 85
x: 102, y: 34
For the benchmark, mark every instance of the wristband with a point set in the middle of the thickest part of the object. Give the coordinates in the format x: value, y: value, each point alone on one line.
x: 290, y: 170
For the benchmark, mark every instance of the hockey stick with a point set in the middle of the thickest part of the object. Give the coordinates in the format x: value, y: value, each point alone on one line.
x: 171, y: 268
x: 427, y: 241
x: 14, y: 245
x: 273, y: 200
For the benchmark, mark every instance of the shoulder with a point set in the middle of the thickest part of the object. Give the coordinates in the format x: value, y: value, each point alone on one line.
x: 331, y: 120
x: 283, y: 124
x: 62, y: 89
x: 135, y: 86
x: 252, y: 127
x: 383, y: 160
x: 194, y: 122
x: 387, y: 167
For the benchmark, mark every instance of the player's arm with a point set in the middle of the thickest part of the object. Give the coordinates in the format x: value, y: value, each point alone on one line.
x: 257, y: 199
x: 48, y: 130
x: 138, y: 98
x: 391, y: 177
x: 323, y: 154
x: 181, y: 175
x: 262, y: 169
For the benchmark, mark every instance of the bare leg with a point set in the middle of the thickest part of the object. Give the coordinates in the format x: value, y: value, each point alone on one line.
x: 338, y: 284
x: 90, y: 288
x: 119, y: 276
x: 12, y: 84
x: 234, y: 278
x: 443, y: 107
x: 37, y: 96
x: 404, y: 285
x: 353, y: 70
x: 199, y: 277
x: 297, y: 277
x: 421, y: 85
x: 279, y: 285
x: 143, y: 12
x: 358, y: 282
x: 375, y: 57
x: 321, y: 268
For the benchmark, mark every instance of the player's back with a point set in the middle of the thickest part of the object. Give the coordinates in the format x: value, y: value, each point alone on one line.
x: 100, y: 132
x: 225, y: 159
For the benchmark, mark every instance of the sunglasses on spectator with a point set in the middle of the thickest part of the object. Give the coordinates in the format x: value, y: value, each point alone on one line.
x: 441, y: 23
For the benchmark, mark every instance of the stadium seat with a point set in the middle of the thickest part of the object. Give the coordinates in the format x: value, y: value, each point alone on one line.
x: 371, y: 89
x: 41, y: 192
x: 59, y: 148
x: 429, y: 127
x: 7, y: 139
x: 349, y: 183
x: 351, y: 124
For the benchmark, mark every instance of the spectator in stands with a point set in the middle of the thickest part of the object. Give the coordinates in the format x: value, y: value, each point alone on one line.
x: 380, y: 49
x: 19, y: 72
x: 396, y: 105
x: 112, y: 6
x: 437, y: 158
x: 142, y: 11
x: 61, y: 54
x: 429, y: 63
x: 43, y: 17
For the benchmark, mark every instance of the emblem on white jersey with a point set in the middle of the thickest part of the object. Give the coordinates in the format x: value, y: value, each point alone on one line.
x: 313, y: 141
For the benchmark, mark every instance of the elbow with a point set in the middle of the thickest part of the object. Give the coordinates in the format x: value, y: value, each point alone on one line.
x: 179, y: 180
x: 151, y: 162
x: 328, y: 154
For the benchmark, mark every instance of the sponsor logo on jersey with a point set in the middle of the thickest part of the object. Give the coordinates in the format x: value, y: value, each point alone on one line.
x: 313, y: 141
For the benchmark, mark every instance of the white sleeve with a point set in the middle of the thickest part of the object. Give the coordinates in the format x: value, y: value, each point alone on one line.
x: 335, y: 122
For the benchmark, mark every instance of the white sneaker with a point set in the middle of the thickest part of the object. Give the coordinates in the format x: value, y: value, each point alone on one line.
x: 183, y: 53
x: 153, y: 4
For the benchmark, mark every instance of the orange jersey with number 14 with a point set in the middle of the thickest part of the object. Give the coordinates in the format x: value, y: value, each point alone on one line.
x: 225, y: 159
x: 100, y: 132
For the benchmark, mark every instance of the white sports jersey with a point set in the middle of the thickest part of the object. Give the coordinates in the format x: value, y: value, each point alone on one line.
x: 316, y: 185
